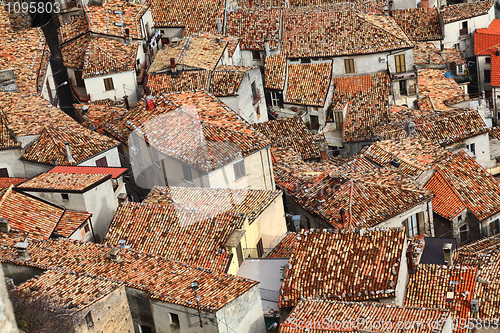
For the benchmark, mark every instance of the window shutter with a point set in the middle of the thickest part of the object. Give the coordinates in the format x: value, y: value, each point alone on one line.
x: 405, y: 223
x: 421, y: 223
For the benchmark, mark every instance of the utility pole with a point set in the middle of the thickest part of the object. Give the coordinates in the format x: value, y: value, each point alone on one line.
x: 194, y: 285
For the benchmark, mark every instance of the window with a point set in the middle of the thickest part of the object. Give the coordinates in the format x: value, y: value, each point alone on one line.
x: 349, y: 66
x: 4, y: 172
x: 255, y: 93
x: 487, y: 60
x: 456, y: 46
x: 260, y: 249
x: 145, y: 329
x: 464, y: 30
x: 275, y: 101
x: 88, y: 319
x: 65, y: 196
x: 239, y: 254
x: 400, y: 63
x: 174, y: 319
x: 102, y: 162
x: 108, y: 84
x: 472, y: 148
x: 314, y: 122
x: 487, y: 76
x: 305, y: 61
x: 495, y: 227
x: 256, y: 55
x: 402, y: 87
x: 338, y: 117
x: 239, y: 169
x: 186, y: 171
x: 49, y: 90
x: 86, y: 227
x: 464, y: 233
x: 412, y: 226
x: 460, y: 69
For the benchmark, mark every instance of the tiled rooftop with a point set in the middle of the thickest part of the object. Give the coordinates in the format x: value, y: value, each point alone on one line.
x: 75, y: 28
x: 428, y: 286
x: 29, y: 114
x: 162, y: 279
x: 419, y: 24
x: 207, y: 134
x: 462, y: 11
x: 485, y: 40
x: 102, y: 19
x: 326, y: 313
x: 441, y: 91
x: 482, y: 246
x: 98, y: 55
x: 345, y: 265
x: 286, y: 247
x: 83, y: 144
x: 29, y: 214
x: 275, y: 72
x: 308, y: 84
x: 368, y: 98
x: 246, y: 203
x: 413, y: 154
x: 344, y: 32
x: 201, y: 51
x: 196, y: 237
x: 6, y: 182
x: 22, y: 49
x: 70, y: 222
x: 63, y: 181
x: 195, y: 16
x: 428, y: 54
x: 252, y: 26
x: 186, y: 80
x: 89, y: 170
x: 226, y: 80
x: 104, y: 119
x: 471, y: 184
x: 7, y: 139
x: 67, y: 292
x: 290, y: 133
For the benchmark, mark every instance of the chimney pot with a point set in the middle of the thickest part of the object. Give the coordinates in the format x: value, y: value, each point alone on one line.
x: 4, y: 225
x: 127, y: 105
x: 22, y: 250
x: 114, y: 255
x: 122, y: 197
x: 448, y: 253
x: 172, y: 62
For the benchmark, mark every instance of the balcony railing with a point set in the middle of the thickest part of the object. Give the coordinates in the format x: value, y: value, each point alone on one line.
x: 463, y: 32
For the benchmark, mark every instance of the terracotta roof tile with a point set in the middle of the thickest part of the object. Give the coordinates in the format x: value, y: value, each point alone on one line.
x: 486, y: 40
x: 428, y: 54
x: 186, y: 80
x: 83, y: 144
x: 201, y: 51
x: 75, y: 28
x: 286, y: 247
x: 345, y: 265
x: 246, y: 203
x: 308, y: 84
x: 301, y: 28
x: 447, y: 201
x: 290, y: 133
x: 63, y: 181
x: 441, y: 91
x: 325, y: 314
x: 66, y: 292
x: 113, y: 171
x: 6, y: 182
x: 252, y: 26
x: 194, y: 16
x: 475, y: 189
x: 420, y: 24
x: 212, y: 134
x: 261, y: 4
x: 162, y: 279
x: 462, y: 11
x: 368, y: 98
x: 482, y: 246
x: 29, y: 214
x: 29, y: 114
x: 226, y: 80
x: 105, y: 119
x: 7, y: 138
x: 275, y: 72
x: 70, y: 222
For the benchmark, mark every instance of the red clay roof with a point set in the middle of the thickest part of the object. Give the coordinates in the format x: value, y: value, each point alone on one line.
x: 6, y: 182
x: 308, y: 84
x: 114, y: 172
x: 162, y: 279
x: 446, y: 202
x: 286, y: 247
x: 346, y: 265
x: 61, y: 182
x: 70, y: 222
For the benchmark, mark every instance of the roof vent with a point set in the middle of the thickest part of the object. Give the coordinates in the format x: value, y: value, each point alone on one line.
x: 450, y: 295
x: 411, y: 128
x: 114, y: 255
x: 474, y: 306
x: 122, y: 197
x: 4, y: 225
x: 68, y: 153
x: 22, y: 250
x: 448, y: 253
x: 219, y: 25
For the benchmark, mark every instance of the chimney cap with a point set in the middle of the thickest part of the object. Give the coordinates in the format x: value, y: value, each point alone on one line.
x: 114, y: 252
x: 22, y: 245
x: 447, y: 247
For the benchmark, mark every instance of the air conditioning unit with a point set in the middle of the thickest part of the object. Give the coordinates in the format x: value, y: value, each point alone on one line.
x: 382, y: 60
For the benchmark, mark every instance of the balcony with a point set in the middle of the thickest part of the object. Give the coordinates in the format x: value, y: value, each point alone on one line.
x: 464, y: 32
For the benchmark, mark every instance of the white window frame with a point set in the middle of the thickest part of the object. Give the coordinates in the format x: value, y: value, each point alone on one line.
x: 275, y: 101
x: 413, y: 226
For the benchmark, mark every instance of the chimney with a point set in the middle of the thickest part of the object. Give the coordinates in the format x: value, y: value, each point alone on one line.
x: 442, y: 46
x: 424, y: 4
x: 122, y: 198
x: 121, y: 243
x: 125, y: 98
x: 450, y: 295
x: 68, y: 153
x: 342, y: 216
x: 266, y: 45
x: 4, y: 225
x: 22, y: 250
x: 219, y: 26
x: 114, y: 255
x: 448, y: 254
x: 474, y: 305
x: 150, y: 103
x: 409, y: 260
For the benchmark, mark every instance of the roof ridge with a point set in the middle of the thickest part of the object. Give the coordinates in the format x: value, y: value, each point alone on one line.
x: 363, y: 15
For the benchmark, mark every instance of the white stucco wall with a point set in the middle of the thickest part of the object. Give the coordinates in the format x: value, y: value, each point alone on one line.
x: 371, y: 63
x: 111, y: 155
x: 245, y: 107
x: 481, y: 66
x: 404, y: 4
x: 398, y: 220
x: 247, y: 59
x: 272, y: 224
x: 125, y: 83
x: 9, y: 159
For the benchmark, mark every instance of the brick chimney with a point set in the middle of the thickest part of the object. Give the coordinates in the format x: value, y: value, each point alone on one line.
x: 114, y: 255
x: 4, y: 225
x: 448, y: 253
